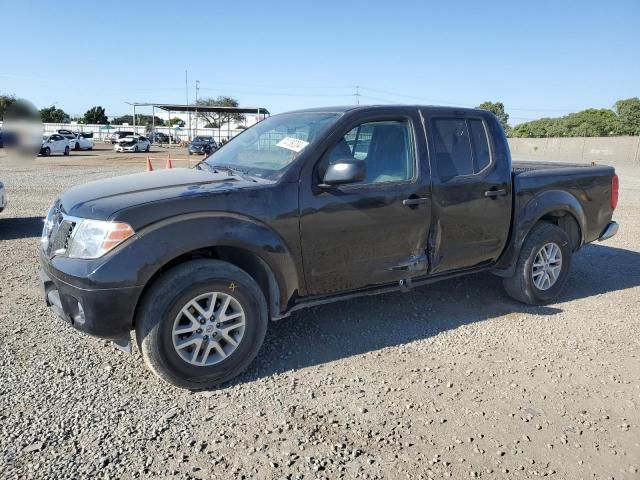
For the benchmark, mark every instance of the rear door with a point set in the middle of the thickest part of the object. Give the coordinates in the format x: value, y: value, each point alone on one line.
x: 471, y: 191
x: 375, y: 231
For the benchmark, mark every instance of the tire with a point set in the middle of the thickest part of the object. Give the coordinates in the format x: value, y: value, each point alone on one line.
x: 77, y: 146
x: 163, y: 305
x: 66, y: 151
x: 47, y: 152
x: 521, y: 286
x: 135, y: 149
x: 148, y: 148
x: 190, y: 153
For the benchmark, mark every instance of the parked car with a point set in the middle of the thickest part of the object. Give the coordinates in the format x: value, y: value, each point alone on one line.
x: 78, y: 140
x: 202, y: 145
x: 306, y: 208
x: 159, y: 137
x: 135, y: 143
x: 55, y: 143
x: 3, y: 197
x: 7, y: 139
x: 118, y: 135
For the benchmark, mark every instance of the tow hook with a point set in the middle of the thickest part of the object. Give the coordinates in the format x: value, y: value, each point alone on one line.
x: 405, y: 285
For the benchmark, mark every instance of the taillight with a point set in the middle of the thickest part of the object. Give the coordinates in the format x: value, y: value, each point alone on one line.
x: 615, y: 186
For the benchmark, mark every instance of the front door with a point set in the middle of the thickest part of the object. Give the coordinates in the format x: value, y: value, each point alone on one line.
x: 374, y: 231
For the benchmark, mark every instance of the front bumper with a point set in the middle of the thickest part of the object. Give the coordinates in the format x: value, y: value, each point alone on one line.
x: 101, y: 312
x: 610, y: 231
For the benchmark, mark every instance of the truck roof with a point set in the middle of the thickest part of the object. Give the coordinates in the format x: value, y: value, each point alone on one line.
x: 351, y: 108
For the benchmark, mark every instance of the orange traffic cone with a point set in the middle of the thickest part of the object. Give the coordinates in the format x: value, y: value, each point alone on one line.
x: 169, y: 163
x: 149, y: 166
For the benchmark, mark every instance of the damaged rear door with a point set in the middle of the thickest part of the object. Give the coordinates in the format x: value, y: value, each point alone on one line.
x: 373, y: 231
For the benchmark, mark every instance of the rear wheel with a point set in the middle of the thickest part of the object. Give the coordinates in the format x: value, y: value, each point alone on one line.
x: 66, y: 150
x: 135, y: 149
x: 542, y: 267
x: 47, y: 152
x: 148, y: 148
x: 77, y: 146
x: 201, y: 324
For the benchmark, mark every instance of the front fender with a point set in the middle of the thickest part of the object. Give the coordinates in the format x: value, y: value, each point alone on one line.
x: 137, y: 261
x: 530, y: 214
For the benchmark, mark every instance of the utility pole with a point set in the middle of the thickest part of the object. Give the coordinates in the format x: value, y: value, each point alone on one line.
x: 357, y: 95
x: 186, y: 91
x: 196, y: 104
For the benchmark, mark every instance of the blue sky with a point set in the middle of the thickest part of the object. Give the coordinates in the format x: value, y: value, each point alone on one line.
x: 542, y: 58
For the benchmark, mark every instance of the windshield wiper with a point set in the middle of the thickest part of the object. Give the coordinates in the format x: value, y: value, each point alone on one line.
x: 233, y: 171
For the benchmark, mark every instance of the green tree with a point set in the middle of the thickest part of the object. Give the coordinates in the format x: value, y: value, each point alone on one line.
x: 5, y: 102
x: 54, y: 115
x: 96, y: 115
x: 176, y: 121
x: 219, y: 118
x: 497, y: 108
x: 592, y: 122
x: 628, y: 116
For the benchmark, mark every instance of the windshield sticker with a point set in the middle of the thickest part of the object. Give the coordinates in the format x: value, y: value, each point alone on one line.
x: 294, y: 144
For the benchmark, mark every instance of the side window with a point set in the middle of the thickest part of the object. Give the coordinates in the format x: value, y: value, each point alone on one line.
x: 452, y: 146
x: 461, y: 146
x: 481, y: 154
x: 385, y: 147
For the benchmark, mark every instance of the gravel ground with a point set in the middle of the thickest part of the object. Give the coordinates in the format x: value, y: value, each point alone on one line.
x: 450, y: 380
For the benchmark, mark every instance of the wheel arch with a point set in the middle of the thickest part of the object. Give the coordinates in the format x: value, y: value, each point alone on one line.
x: 251, y: 246
x: 558, y: 207
x: 242, y: 258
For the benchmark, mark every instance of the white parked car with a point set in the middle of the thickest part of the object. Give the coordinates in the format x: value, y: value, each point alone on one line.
x: 55, y: 143
x: 3, y: 197
x: 78, y: 140
x: 133, y: 143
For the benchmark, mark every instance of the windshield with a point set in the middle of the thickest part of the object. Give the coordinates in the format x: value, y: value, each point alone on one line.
x: 265, y: 149
x: 202, y: 139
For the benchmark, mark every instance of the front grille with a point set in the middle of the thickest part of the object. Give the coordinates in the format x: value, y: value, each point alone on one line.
x: 59, y: 241
x: 57, y: 231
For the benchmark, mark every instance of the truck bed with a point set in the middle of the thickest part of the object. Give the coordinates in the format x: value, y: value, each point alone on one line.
x: 589, y: 184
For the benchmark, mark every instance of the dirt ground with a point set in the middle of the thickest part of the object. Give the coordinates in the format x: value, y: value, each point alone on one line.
x: 452, y: 380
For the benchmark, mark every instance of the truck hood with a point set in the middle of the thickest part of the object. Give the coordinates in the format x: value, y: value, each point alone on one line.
x: 101, y: 199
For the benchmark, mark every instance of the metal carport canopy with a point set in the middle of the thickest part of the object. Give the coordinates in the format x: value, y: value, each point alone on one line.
x: 174, y: 107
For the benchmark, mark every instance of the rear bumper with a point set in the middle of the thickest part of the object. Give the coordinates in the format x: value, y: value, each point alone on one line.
x: 106, y: 313
x: 610, y: 230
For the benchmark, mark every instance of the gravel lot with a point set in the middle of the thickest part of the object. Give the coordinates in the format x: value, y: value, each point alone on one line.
x: 450, y: 380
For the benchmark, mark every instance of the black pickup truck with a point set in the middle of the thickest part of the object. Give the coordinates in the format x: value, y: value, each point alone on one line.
x: 309, y: 207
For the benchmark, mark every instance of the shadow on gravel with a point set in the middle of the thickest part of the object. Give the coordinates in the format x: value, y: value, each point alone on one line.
x: 21, y: 227
x: 323, y: 334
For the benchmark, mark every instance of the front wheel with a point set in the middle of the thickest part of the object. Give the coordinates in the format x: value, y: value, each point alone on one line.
x: 66, y: 151
x: 201, y: 324
x: 135, y: 149
x: 76, y: 146
x: 543, y: 266
x: 148, y: 148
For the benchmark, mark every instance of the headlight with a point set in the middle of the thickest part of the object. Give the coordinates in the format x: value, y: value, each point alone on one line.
x: 94, y: 238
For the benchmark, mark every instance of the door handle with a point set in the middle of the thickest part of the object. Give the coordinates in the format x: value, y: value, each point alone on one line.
x: 495, y: 193
x: 410, y: 202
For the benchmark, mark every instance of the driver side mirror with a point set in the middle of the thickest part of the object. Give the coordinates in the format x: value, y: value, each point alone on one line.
x: 344, y: 171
